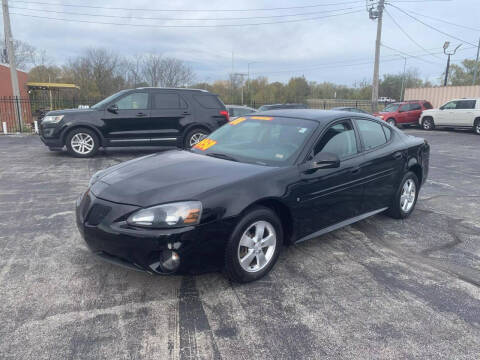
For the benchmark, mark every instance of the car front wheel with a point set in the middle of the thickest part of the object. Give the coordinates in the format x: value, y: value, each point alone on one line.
x: 428, y: 124
x: 82, y: 142
x: 392, y: 122
x: 254, y: 246
x: 405, y: 197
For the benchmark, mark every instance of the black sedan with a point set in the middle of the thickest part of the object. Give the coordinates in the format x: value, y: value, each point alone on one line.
x: 254, y: 185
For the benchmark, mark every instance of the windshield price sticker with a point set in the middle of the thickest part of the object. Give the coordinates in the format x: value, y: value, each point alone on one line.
x: 237, y: 121
x: 205, y: 144
x: 268, y: 118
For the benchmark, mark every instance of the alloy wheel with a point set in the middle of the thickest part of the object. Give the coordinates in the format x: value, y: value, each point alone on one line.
x: 407, y: 198
x: 82, y: 143
x: 427, y: 124
x: 391, y: 122
x: 257, y: 246
x: 477, y: 128
x: 196, y: 138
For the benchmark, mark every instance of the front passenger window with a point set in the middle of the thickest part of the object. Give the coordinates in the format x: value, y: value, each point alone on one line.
x: 135, y: 101
x: 339, y: 139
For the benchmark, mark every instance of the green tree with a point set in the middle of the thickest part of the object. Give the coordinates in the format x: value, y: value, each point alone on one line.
x: 462, y: 74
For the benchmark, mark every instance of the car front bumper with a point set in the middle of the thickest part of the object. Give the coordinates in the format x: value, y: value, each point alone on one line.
x: 103, y: 226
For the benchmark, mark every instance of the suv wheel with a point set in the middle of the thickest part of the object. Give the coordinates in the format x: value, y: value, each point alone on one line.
x: 405, y: 197
x: 392, y: 122
x: 82, y: 142
x: 194, y: 136
x: 428, y: 124
x: 476, y: 127
x: 254, y: 246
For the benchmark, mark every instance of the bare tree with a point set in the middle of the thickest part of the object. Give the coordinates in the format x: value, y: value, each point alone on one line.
x: 174, y: 73
x: 25, y: 54
x: 133, y: 70
x: 152, y: 68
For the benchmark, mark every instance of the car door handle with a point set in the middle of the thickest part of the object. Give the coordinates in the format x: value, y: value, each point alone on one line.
x: 355, y: 170
x: 398, y: 155
x: 185, y: 113
x: 140, y: 114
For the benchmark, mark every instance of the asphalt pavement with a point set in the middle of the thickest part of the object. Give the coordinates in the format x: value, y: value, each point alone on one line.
x: 379, y: 289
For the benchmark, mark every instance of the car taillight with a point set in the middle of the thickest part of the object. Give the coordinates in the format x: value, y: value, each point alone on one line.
x: 225, y: 113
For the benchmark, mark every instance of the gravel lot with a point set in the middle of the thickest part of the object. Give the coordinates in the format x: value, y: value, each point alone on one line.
x: 381, y: 288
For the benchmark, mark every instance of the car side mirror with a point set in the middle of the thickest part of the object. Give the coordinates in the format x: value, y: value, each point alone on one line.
x: 113, y: 108
x: 323, y: 160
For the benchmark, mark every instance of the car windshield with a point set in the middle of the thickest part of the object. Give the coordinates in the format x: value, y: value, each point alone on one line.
x: 104, y: 102
x: 391, y: 108
x: 264, y: 140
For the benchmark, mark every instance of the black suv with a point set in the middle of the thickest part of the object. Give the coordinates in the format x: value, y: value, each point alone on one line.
x: 138, y: 117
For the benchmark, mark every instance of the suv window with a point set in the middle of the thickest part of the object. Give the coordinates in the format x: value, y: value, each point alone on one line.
x: 168, y: 101
x: 466, y: 104
x: 372, y: 133
x: 134, y: 101
x: 450, y: 105
x: 415, y: 106
x: 427, y: 105
x: 208, y: 101
x: 339, y: 139
x: 405, y: 107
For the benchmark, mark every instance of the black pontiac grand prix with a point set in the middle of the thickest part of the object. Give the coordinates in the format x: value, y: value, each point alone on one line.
x: 255, y: 184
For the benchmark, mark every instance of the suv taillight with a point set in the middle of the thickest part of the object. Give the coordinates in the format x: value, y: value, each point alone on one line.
x: 225, y: 113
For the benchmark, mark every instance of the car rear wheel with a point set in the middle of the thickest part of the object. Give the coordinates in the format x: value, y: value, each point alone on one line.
x: 82, y: 142
x: 428, y: 124
x: 194, y: 137
x: 392, y: 122
x: 254, y: 246
x: 476, y: 127
x: 405, y: 197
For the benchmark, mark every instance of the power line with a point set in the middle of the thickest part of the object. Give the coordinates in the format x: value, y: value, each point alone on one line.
x: 412, y: 56
x: 184, y: 19
x: 442, y: 20
x: 184, y: 26
x: 185, y: 10
x: 432, y: 27
x: 406, y: 34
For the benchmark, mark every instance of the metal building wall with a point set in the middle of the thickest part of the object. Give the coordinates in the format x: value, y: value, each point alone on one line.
x: 440, y: 95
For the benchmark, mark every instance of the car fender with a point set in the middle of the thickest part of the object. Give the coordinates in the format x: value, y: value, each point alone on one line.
x: 73, y: 125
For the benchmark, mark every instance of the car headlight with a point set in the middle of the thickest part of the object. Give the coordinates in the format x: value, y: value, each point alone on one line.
x: 380, y: 117
x: 53, y: 119
x: 185, y: 213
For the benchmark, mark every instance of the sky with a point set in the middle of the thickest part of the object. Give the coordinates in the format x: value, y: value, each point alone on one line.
x: 324, y: 40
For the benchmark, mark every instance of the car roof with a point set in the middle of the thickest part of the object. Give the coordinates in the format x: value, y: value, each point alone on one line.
x: 308, y: 114
x: 170, y: 88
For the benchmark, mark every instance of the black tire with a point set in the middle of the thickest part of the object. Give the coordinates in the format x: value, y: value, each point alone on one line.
x: 428, y: 124
x: 392, y: 122
x: 233, y: 269
x: 476, y: 126
x: 395, y: 211
x: 188, y: 143
x: 88, y: 134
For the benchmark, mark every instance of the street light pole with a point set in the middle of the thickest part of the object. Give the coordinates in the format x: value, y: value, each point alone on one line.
x: 403, y: 78
x: 475, y: 71
x: 445, y: 47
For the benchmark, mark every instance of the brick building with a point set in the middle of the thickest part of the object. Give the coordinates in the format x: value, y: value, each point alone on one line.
x: 6, y: 82
x: 9, y: 107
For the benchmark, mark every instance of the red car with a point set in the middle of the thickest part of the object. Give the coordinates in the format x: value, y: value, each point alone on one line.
x: 404, y: 113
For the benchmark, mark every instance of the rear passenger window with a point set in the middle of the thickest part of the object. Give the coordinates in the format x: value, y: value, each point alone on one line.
x: 415, y: 107
x: 208, y: 101
x: 371, y: 133
x: 466, y: 104
x: 167, y: 101
x: 388, y: 132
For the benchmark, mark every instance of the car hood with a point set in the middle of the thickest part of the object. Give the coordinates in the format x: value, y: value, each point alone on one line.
x: 173, y: 175
x: 69, y: 111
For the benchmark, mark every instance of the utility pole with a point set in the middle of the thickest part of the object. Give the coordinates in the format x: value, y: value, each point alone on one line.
x: 403, y: 78
x: 475, y: 71
x: 445, y: 47
x: 376, y: 15
x: 11, y: 61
